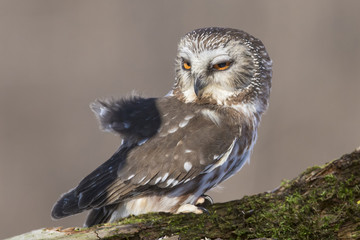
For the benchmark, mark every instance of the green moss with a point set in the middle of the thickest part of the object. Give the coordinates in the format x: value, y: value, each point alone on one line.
x: 312, y: 169
x: 312, y: 206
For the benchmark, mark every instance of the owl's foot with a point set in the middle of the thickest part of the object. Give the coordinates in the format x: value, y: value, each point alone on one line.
x: 189, y: 208
x: 199, y: 207
x: 204, y: 200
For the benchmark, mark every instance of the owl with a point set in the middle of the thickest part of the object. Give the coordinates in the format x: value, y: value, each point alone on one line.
x: 177, y: 147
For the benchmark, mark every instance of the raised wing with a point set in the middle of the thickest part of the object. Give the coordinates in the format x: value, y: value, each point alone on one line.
x: 134, y: 118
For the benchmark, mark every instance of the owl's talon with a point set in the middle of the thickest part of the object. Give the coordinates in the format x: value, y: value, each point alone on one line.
x: 204, y: 200
x: 208, y: 199
x: 204, y: 210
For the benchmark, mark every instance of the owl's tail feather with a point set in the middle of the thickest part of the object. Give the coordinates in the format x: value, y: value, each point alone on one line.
x: 67, y: 205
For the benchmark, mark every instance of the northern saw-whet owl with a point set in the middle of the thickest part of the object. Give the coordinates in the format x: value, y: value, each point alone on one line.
x: 177, y: 147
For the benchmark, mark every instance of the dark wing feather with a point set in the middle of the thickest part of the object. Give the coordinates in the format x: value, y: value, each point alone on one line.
x: 134, y: 118
x: 100, y: 215
x: 92, y: 190
x: 155, y: 161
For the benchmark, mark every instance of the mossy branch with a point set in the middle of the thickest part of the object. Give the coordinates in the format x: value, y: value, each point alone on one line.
x: 321, y: 203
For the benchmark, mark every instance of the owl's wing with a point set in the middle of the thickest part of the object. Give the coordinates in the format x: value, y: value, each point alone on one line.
x: 189, y: 142
x: 134, y: 118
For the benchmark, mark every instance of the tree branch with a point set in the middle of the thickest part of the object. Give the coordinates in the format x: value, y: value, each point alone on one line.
x: 321, y: 203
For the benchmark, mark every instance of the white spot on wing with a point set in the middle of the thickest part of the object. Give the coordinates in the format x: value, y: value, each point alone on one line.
x: 142, y: 179
x: 188, y: 151
x: 183, y: 123
x: 163, y: 135
x: 172, y: 130
x: 170, y: 181
x: 130, y: 177
x: 157, y: 180
x: 187, y: 166
x: 164, y: 177
x: 188, y: 117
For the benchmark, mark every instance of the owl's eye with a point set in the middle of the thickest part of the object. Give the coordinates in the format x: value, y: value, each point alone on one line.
x: 186, y: 65
x: 222, y: 66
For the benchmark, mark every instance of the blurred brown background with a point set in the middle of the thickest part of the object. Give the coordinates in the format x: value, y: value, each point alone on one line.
x: 58, y: 56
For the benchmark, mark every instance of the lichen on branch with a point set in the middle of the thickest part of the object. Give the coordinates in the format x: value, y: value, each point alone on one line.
x: 321, y: 203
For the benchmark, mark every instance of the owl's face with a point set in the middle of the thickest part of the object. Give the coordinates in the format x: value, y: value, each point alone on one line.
x: 214, y: 65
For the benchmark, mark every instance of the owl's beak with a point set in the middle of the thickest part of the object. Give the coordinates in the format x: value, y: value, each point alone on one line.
x: 199, y: 86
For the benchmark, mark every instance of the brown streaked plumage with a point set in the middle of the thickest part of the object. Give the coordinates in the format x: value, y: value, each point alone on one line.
x: 177, y: 147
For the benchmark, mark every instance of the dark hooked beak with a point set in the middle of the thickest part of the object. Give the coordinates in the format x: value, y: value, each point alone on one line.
x: 199, y: 86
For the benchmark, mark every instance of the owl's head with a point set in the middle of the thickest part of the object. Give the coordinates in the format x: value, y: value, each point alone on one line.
x: 222, y: 66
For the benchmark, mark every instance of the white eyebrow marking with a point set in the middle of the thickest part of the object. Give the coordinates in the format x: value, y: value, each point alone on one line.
x: 184, y: 55
x: 187, y: 166
x: 221, y: 58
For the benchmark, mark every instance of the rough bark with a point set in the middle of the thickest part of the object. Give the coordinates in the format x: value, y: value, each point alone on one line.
x: 321, y: 203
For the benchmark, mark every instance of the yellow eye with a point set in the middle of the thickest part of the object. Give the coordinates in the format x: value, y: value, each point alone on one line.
x: 186, y: 65
x: 222, y: 66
